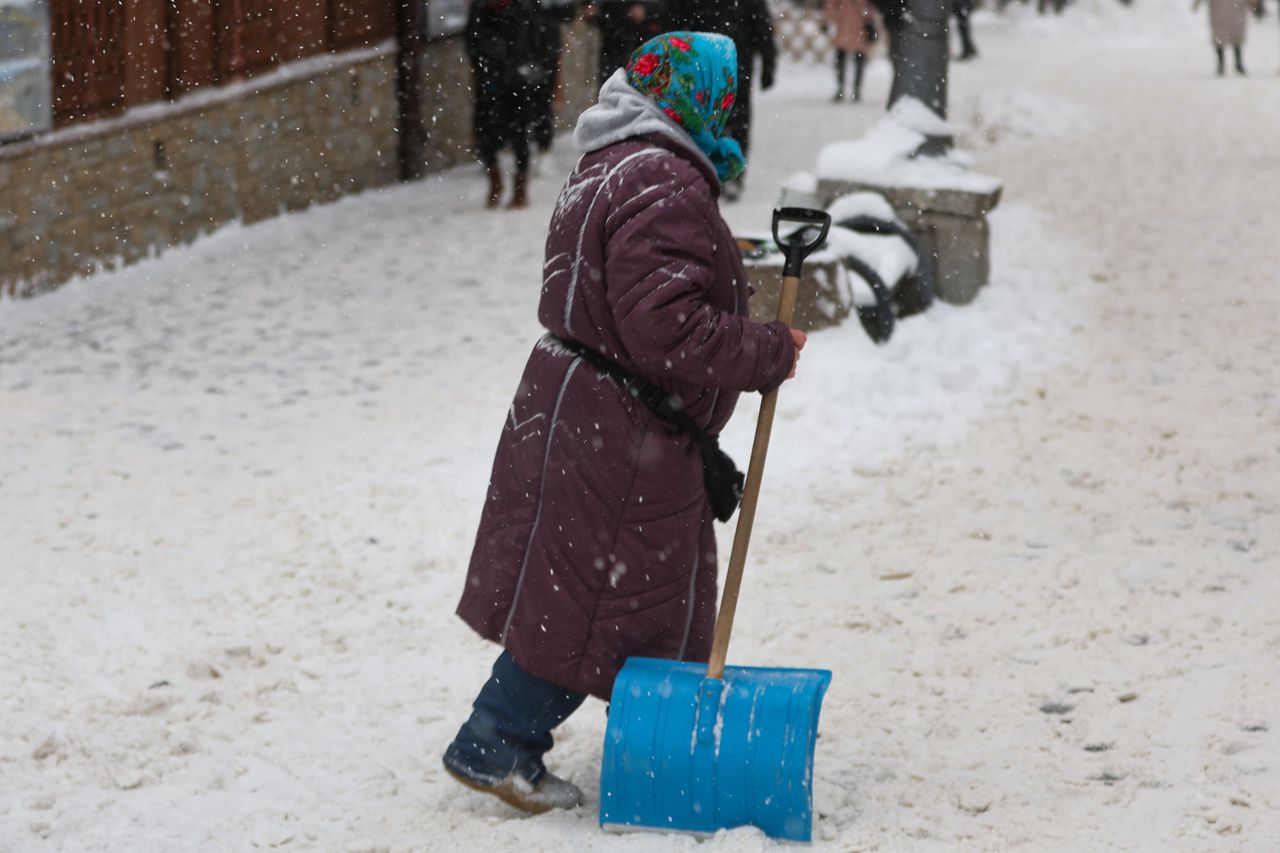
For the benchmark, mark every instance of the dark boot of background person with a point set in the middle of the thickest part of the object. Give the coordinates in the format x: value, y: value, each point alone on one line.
x: 961, y: 10
x: 495, y: 185
x: 1222, y: 61
x: 1239, y: 60
x: 967, y: 50
x: 520, y: 198
x: 520, y: 144
x: 859, y: 62
x: 840, y: 63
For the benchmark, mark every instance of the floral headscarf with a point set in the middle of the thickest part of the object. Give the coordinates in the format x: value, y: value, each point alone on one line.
x: 693, y: 78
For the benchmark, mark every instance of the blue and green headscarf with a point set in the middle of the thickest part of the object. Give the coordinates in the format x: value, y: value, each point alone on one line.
x: 693, y: 78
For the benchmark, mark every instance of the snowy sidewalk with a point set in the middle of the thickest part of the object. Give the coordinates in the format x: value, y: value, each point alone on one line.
x: 1035, y: 538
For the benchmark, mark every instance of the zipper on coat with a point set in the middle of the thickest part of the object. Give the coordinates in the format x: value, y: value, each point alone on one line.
x: 693, y: 584
x: 542, y: 488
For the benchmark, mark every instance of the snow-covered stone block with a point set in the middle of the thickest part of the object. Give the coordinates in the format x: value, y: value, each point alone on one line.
x: 825, y: 298
x: 938, y: 197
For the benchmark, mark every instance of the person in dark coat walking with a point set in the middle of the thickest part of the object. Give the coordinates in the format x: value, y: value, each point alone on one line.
x: 961, y: 9
x: 624, y: 25
x: 596, y: 541
x: 553, y: 14
x: 750, y: 24
x: 506, y: 43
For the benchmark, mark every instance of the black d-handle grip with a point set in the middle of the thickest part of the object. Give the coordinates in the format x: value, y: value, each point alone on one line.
x: 802, y: 242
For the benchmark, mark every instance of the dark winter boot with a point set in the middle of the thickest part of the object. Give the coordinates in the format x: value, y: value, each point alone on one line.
x: 859, y: 60
x: 840, y: 60
x: 520, y: 198
x: 549, y: 792
x: 967, y: 49
x: 495, y: 186
x: 1222, y: 61
x: 1239, y: 61
x: 499, y: 749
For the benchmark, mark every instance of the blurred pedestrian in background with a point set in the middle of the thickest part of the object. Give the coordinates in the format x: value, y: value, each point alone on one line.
x: 961, y: 9
x: 624, y: 26
x: 506, y: 43
x: 853, y: 28
x: 750, y: 24
x: 1227, y: 21
x: 554, y: 13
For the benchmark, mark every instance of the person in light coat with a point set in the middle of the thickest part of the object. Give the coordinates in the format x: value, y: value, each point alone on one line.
x: 853, y: 27
x: 1227, y: 21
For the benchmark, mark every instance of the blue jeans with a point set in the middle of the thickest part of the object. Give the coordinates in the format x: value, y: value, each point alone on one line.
x: 510, y: 726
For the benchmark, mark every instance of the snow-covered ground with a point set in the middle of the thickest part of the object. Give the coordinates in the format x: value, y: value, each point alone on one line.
x: 1035, y: 538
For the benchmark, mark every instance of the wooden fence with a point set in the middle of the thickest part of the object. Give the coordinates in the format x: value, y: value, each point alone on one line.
x: 797, y: 26
x: 109, y: 55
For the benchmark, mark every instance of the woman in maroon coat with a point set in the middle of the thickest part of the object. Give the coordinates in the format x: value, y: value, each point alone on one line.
x: 596, y: 539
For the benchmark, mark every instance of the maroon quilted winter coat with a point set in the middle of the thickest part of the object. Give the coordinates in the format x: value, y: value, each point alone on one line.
x: 596, y: 540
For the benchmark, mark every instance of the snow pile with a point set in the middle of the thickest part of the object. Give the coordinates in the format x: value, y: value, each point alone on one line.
x: 889, y: 255
x: 950, y: 357
x: 885, y: 155
x: 914, y: 115
x: 1112, y: 23
x: 1020, y: 115
x: 800, y: 190
x: 241, y: 486
x: 850, y: 205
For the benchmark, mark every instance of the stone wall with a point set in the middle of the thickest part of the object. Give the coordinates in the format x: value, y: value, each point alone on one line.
x: 579, y: 69
x: 95, y: 196
x: 446, y: 103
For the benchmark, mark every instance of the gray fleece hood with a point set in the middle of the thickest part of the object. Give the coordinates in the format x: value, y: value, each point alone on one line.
x: 623, y: 113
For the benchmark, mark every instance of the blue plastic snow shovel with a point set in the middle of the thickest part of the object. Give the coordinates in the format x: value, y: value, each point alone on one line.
x: 699, y: 749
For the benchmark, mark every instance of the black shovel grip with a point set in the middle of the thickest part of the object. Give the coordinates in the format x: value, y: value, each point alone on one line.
x: 801, y: 243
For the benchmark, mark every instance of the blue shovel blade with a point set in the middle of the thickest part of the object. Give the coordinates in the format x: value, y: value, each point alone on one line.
x: 687, y: 753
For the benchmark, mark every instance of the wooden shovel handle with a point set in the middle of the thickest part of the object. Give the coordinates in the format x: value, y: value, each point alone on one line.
x: 750, y: 495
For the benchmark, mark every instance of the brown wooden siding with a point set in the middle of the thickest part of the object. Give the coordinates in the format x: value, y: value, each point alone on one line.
x: 109, y: 55
x: 354, y: 23
x: 246, y: 38
x: 303, y: 29
x: 190, y: 26
x: 88, y: 58
x: 146, y: 72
